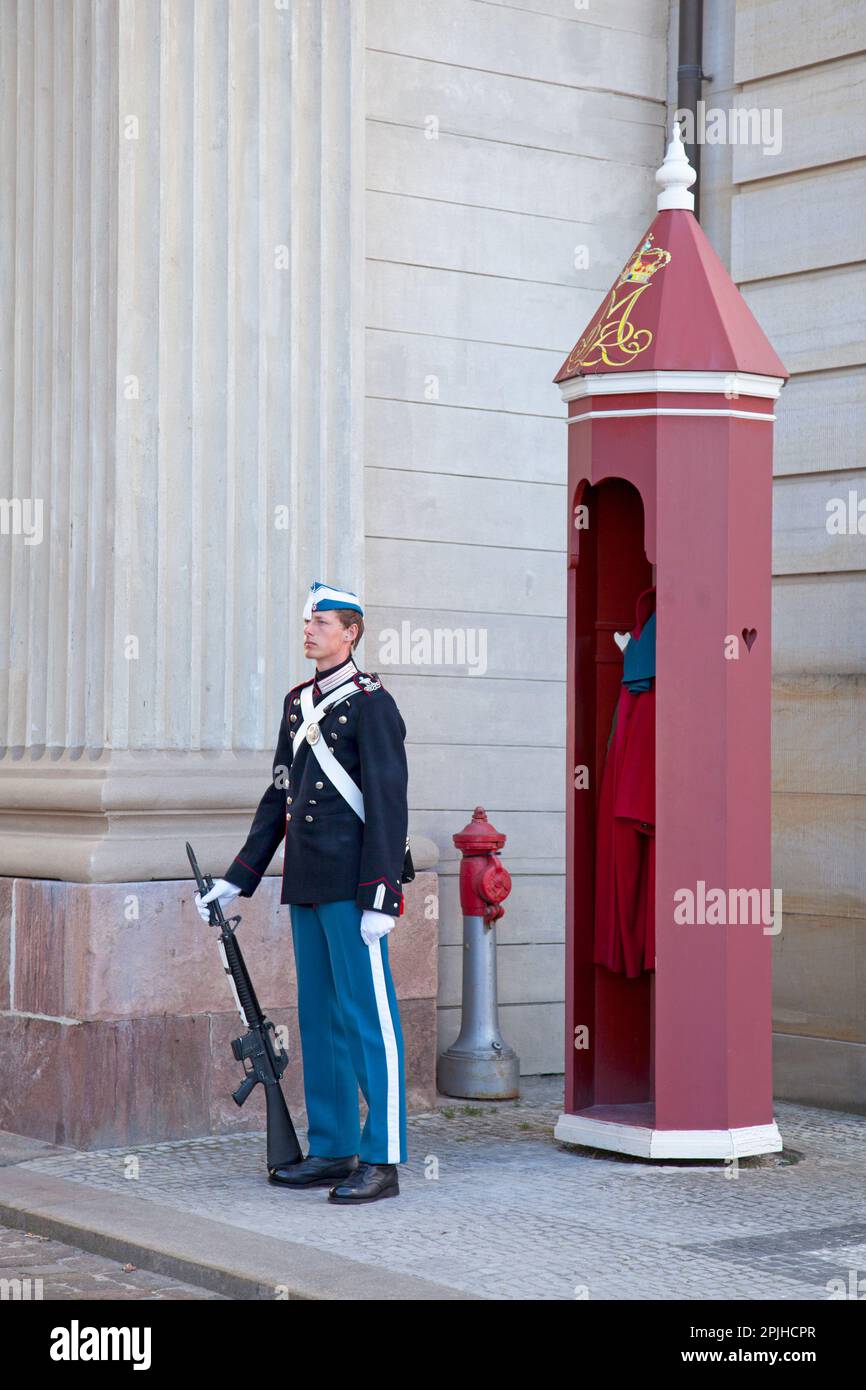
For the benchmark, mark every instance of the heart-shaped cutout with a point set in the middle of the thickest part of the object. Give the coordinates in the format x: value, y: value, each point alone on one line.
x: 622, y: 639
x: 749, y: 635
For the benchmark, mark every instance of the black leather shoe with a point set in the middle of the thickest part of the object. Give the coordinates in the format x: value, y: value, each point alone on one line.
x: 367, y: 1183
x: 314, y: 1171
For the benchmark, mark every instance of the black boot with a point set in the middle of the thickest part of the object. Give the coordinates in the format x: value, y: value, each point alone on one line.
x: 367, y: 1183
x: 314, y: 1171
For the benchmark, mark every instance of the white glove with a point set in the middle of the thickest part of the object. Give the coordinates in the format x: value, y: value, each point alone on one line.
x: 375, y: 924
x: 222, y: 889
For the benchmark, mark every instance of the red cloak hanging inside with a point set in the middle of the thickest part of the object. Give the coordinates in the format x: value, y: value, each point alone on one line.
x: 625, y: 840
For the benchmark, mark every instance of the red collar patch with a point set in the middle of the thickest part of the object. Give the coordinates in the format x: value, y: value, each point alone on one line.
x: 367, y: 683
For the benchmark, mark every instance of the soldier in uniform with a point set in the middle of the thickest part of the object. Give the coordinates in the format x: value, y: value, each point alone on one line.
x: 338, y: 794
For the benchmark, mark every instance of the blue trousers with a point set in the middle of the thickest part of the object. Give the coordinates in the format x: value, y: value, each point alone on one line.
x: 350, y: 1036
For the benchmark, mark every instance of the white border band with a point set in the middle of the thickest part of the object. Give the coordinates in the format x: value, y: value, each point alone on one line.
x: 664, y: 410
x: 728, y: 384
x: 644, y: 1142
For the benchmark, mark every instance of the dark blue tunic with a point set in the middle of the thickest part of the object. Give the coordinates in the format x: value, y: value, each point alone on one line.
x: 331, y: 855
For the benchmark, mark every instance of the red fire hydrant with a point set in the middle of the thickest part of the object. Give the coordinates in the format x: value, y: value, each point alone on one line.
x: 480, y: 1065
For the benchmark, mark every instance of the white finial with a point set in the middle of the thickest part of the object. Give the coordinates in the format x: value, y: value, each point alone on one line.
x: 676, y: 176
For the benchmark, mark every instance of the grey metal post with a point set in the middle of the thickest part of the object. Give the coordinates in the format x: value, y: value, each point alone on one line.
x: 480, y: 1065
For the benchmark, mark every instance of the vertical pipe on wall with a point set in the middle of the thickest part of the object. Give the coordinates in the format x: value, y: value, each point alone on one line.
x: 689, y: 77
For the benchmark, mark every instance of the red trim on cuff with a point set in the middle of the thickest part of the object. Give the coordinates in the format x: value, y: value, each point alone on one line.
x: 237, y: 860
x: 368, y: 883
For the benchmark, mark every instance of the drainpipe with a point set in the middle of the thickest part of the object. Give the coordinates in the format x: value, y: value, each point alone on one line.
x: 690, y: 74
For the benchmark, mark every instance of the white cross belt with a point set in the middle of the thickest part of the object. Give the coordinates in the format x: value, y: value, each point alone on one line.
x: 333, y: 769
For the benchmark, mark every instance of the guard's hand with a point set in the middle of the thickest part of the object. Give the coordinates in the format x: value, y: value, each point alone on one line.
x: 375, y: 924
x: 226, y: 893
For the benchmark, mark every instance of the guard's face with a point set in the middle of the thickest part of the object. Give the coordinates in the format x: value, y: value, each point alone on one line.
x: 326, y: 641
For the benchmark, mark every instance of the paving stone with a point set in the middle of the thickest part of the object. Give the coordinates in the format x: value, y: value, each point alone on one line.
x: 492, y: 1204
x: 68, y: 1273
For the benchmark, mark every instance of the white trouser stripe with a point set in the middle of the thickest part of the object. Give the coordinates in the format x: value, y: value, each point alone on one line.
x: 392, y: 1060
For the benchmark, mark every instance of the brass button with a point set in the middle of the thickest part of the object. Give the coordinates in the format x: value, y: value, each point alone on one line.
x: 312, y: 802
x: 288, y: 815
x: 288, y: 801
x: 308, y: 817
x: 320, y: 785
x: 342, y: 719
x: 334, y: 735
x: 296, y: 702
x: 293, y: 716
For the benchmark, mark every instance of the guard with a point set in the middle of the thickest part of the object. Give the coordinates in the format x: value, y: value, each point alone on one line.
x: 339, y: 796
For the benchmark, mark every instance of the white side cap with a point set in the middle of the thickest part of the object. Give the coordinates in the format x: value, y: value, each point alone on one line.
x: 676, y: 176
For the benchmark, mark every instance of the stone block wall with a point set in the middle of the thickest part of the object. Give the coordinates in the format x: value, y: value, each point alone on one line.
x: 116, y: 1017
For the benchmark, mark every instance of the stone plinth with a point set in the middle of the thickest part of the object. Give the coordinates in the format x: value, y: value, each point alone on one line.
x: 117, y: 1016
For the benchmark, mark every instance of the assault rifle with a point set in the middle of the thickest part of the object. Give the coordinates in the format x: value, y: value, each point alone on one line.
x: 257, y: 1046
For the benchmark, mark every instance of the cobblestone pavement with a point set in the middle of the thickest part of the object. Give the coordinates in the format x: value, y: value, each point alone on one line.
x: 492, y: 1204
x: 47, y: 1269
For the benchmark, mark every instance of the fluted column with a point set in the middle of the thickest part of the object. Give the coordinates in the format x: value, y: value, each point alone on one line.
x: 181, y: 267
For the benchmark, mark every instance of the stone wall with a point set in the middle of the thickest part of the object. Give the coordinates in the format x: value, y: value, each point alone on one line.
x: 116, y: 1016
x: 511, y: 151
x: 790, y: 225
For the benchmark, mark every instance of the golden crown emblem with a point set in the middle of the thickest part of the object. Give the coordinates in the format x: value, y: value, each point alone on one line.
x: 644, y: 264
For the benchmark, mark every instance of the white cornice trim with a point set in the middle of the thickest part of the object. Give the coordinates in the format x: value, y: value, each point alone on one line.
x: 728, y: 384
x: 668, y: 1143
x: 665, y: 410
